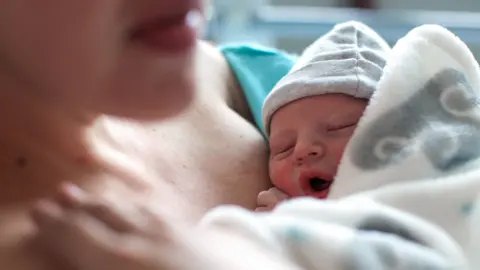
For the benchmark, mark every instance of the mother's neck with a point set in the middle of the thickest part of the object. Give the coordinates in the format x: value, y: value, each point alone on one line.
x: 42, y: 143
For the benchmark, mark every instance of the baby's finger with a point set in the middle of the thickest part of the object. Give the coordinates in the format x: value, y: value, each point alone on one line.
x: 263, y: 209
x: 280, y: 195
x: 266, y: 198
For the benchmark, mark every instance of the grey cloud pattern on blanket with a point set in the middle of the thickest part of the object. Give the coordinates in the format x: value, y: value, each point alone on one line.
x: 387, y: 225
x: 442, y: 105
x: 376, y: 251
x: 384, y: 243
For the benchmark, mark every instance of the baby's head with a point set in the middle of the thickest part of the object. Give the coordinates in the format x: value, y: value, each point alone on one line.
x: 312, y: 112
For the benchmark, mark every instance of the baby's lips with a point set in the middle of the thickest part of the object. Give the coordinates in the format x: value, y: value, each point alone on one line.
x: 315, y: 183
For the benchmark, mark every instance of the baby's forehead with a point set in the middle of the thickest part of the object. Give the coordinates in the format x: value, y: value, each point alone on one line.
x: 316, y: 111
x: 322, y: 106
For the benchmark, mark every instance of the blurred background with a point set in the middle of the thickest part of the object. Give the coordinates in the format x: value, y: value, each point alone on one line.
x: 293, y: 24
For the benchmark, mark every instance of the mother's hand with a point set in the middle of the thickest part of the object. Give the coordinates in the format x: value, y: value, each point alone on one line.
x: 92, y: 232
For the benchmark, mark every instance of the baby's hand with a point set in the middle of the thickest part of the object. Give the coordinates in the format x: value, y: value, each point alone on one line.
x: 268, y: 199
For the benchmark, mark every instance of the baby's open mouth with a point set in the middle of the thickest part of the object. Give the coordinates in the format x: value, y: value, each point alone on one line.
x: 315, y: 184
x: 319, y: 184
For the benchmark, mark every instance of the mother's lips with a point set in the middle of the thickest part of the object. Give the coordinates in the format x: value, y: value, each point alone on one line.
x: 173, y: 34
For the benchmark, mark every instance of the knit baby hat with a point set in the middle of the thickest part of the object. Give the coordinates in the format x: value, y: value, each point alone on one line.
x: 349, y: 59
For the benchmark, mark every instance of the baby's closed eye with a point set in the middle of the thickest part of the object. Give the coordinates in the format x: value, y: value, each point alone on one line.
x: 281, y: 151
x: 281, y: 148
x: 345, y: 127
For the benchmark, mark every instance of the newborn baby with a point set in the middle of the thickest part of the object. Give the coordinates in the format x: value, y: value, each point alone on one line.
x: 312, y: 112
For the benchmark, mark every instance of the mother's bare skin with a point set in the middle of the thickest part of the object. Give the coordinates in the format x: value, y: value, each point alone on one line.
x: 87, y: 233
x: 207, y: 156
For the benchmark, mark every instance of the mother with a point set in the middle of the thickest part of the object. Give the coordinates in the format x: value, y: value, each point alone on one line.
x: 83, y: 87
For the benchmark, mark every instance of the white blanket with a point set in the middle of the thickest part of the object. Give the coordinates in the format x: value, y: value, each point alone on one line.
x: 407, y: 194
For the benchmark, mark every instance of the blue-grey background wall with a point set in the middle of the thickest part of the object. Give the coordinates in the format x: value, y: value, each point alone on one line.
x: 393, y: 17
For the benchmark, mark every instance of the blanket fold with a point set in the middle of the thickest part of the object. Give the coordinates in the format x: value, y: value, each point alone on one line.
x: 423, y: 120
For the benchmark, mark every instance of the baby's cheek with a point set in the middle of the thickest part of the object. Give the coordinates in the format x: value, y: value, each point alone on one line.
x: 339, y: 151
x: 282, y: 178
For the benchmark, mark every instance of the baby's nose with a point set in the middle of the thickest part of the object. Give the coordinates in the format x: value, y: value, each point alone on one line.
x: 308, y: 155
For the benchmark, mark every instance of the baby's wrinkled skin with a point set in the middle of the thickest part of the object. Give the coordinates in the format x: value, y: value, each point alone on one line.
x: 307, y: 141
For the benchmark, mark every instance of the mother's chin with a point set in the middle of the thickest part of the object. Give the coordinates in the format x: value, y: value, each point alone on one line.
x: 155, y: 103
x: 150, y: 89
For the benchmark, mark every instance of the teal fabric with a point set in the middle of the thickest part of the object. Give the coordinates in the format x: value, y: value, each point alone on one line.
x: 258, y: 69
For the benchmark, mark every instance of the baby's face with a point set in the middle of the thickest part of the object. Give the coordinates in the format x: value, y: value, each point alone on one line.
x: 307, y: 140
